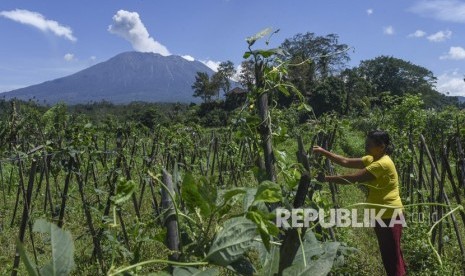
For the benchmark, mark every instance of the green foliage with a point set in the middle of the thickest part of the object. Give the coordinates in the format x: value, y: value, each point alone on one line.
x: 198, y: 195
x: 268, y: 192
x: 225, y: 72
x: 235, y: 238
x: 269, y: 259
x: 205, y: 86
x: 252, y: 39
x: 324, y: 53
x: 396, y: 75
x: 329, y: 95
x: 124, y: 190
x: 30, y: 266
x: 213, y: 114
x: 55, y: 118
x: 62, y: 247
x: 352, y: 143
x: 313, y: 257
x: 266, y: 227
x: 149, y: 117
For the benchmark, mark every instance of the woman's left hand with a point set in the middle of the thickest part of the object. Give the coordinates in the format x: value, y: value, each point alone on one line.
x: 318, y: 150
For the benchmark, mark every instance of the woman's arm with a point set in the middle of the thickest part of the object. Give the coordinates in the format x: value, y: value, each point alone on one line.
x: 360, y: 176
x: 354, y: 163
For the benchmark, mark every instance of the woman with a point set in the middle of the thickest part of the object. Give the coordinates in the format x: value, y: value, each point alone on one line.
x: 379, y: 172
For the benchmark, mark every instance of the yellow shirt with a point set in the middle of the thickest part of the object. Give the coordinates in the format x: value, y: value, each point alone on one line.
x: 385, y: 188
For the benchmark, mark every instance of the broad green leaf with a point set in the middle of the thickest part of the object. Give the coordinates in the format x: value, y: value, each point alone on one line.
x: 269, y: 192
x: 247, y: 55
x: 124, y: 190
x: 227, y: 198
x: 208, y: 189
x: 266, y: 53
x: 192, y: 271
x: 265, y: 227
x: 232, y: 241
x: 192, y: 197
x: 305, y: 106
x: 62, y: 248
x: 232, y: 193
x: 252, y: 39
x: 249, y: 198
x: 283, y: 89
x: 269, y: 52
x: 269, y: 259
x: 30, y: 266
x: 326, y: 253
x: 312, y: 247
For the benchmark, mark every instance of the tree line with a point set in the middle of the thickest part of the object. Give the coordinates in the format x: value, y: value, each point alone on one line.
x: 320, y: 70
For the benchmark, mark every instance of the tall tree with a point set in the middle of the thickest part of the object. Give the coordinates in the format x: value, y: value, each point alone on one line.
x: 329, y: 95
x: 325, y: 52
x: 225, y: 72
x: 357, y: 90
x: 398, y: 76
x: 204, y: 87
x: 247, y: 75
x: 318, y: 57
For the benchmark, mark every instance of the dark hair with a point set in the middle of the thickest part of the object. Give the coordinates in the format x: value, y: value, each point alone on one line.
x: 380, y: 137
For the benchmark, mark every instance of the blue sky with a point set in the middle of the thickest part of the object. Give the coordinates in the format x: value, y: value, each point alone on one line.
x: 44, y: 40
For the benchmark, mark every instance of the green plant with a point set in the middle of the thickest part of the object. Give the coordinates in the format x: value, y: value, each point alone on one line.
x: 62, y: 251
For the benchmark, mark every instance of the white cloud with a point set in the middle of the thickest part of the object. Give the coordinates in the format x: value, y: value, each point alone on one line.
x: 211, y: 64
x: 69, y: 57
x: 440, y: 36
x: 455, y: 53
x: 129, y: 26
x: 91, y: 61
x: 370, y: 11
x: 39, y: 21
x: 445, y: 10
x: 188, y: 57
x: 389, y: 30
x: 451, y: 82
x: 417, y: 33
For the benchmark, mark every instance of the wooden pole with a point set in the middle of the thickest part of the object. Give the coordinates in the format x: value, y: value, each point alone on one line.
x: 26, y: 213
x: 171, y: 223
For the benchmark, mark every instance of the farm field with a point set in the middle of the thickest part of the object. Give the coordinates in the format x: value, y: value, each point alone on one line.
x: 106, y: 183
